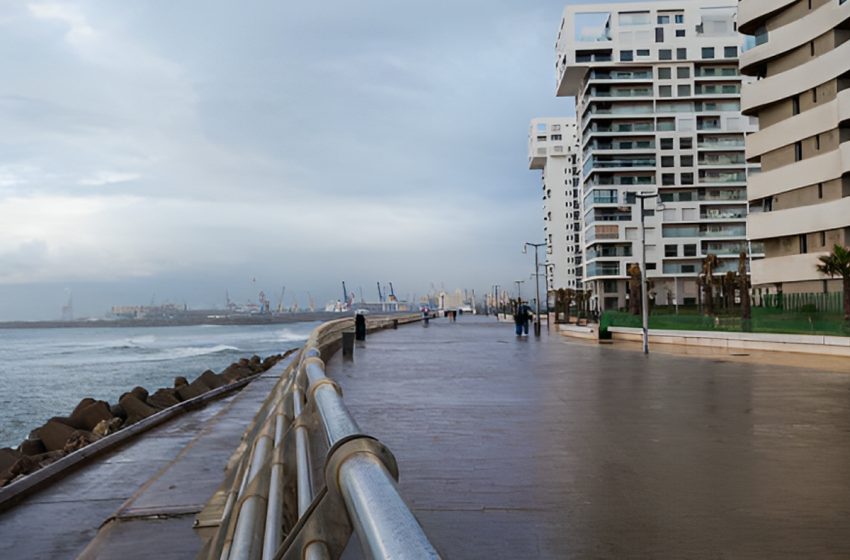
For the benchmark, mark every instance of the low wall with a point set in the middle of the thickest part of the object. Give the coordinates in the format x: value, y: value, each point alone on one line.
x: 589, y: 332
x: 804, y: 344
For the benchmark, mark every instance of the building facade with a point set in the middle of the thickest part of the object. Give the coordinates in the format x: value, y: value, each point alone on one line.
x: 657, y: 91
x: 553, y: 148
x: 800, y: 203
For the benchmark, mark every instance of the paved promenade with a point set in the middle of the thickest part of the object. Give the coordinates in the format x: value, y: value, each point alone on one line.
x: 524, y: 448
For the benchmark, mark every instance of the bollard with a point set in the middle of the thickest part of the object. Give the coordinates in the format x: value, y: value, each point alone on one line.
x: 360, y: 326
x: 348, y: 344
x: 395, y: 323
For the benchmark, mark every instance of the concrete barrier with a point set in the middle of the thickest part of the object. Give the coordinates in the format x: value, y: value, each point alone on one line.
x: 586, y: 332
x: 803, y: 344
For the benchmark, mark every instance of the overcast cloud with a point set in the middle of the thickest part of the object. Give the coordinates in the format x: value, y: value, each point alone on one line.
x: 177, y: 149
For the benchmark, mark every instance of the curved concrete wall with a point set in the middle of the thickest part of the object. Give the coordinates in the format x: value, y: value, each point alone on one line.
x: 791, y: 268
x: 802, y: 219
x: 752, y: 13
x: 795, y: 81
x: 811, y: 171
x: 805, y: 125
x: 794, y: 35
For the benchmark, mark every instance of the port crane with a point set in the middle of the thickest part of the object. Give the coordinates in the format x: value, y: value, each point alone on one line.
x: 280, y: 300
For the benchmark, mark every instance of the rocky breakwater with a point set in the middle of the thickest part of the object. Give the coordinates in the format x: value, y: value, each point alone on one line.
x: 92, y: 420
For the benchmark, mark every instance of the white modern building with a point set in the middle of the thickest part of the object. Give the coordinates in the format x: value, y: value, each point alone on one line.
x: 553, y: 147
x: 800, y: 203
x: 657, y: 93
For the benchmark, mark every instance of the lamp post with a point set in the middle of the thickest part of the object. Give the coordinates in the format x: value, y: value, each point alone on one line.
x: 644, y: 280
x: 519, y: 289
x: 536, y: 281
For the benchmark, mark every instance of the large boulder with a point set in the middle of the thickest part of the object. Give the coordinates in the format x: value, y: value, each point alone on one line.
x: 118, y: 411
x: 235, y: 372
x: 136, y: 408
x: 88, y: 401
x: 211, y: 380
x: 179, y: 381
x: 54, y: 435
x: 194, y: 389
x: 90, y: 416
x: 32, y: 446
x: 140, y: 392
x: 164, y: 398
x: 8, y: 457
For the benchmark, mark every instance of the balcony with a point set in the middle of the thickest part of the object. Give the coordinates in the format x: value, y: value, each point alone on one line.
x: 722, y: 160
x: 703, y: 231
x: 603, y: 269
x: 722, y: 195
x: 721, y: 177
x: 609, y: 251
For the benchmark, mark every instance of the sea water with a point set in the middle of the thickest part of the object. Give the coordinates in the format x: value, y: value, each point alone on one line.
x: 46, y: 372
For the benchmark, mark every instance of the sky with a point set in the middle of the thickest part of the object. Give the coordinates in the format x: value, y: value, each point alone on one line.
x: 168, y: 151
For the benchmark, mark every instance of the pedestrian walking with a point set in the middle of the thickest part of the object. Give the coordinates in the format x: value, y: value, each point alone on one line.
x: 521, y: 317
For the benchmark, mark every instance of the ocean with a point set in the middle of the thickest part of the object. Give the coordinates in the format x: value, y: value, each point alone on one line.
x: 46, y: 372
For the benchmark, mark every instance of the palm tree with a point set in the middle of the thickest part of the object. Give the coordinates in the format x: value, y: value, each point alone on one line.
x: 708, y: 266
x: 634, y: 289
x: 835, y: 264
x: 743, y: 278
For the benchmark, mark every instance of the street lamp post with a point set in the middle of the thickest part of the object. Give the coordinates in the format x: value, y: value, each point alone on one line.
x: 536, y: 281
x: 644, y: 279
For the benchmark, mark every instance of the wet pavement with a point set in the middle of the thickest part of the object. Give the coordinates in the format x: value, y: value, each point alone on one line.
x: 525, y: 448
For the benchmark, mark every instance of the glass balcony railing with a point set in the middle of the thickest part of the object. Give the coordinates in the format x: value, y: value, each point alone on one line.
x: 709, y: 177
x: 603, y: 269
x: 609, y: 252
x: 603, y: 232
x: 722, y: 195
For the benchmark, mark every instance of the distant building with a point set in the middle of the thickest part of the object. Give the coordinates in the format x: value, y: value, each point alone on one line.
x: 657, y: 93
x: 553, y: 147
x: 800, y: 203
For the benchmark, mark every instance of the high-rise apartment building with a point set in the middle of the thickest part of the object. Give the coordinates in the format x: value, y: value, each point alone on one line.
x: 553, y: 148
x: 657, y: 93
x: 800, y: 203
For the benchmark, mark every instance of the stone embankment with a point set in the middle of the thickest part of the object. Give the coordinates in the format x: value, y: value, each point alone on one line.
x: 92, y: 420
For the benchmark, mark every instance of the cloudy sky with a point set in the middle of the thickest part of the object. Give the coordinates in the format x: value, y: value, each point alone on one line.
x: 171, y: 150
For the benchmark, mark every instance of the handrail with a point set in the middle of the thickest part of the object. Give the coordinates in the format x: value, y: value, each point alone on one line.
x: 305, y: 476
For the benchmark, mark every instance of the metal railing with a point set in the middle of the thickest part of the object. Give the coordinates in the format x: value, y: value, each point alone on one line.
x: 305, y: 476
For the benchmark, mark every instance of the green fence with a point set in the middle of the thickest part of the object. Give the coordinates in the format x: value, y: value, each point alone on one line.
x: 764, y: 320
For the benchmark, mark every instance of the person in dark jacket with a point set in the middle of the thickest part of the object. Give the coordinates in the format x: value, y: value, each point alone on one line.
x: 360, y: 326
x: 521, y: 317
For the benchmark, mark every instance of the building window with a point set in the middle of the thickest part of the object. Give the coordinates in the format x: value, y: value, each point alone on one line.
x: 665, y: 54
x: 804, y: 245
x: 671, y: 250
x: 626, y: 56
x: 680, y: 18
x: 707, y: 53
x: 668, y: 179
x: 663, y: 20
x: 643, y: 52
x: 795, y: 105
x: 680, y: 33
x: 665, y: 73
x: 683, y: 72
x: 681, y: 54
x: 687, y: 179
x: 665, y: 91
x: 667, y: 161
x: 651, y: 266
x: 798, y: 151
x: 815, y: 95
x: 823, y: 239
x: 687, y: 161
x: 686, y: 143
x: 683, y: 90
x: 690, y: 250
x: 820, y: 190
x: 666, y: 143
x: 659, y: 34
x: 817, y: 142
x: 730, y: 52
